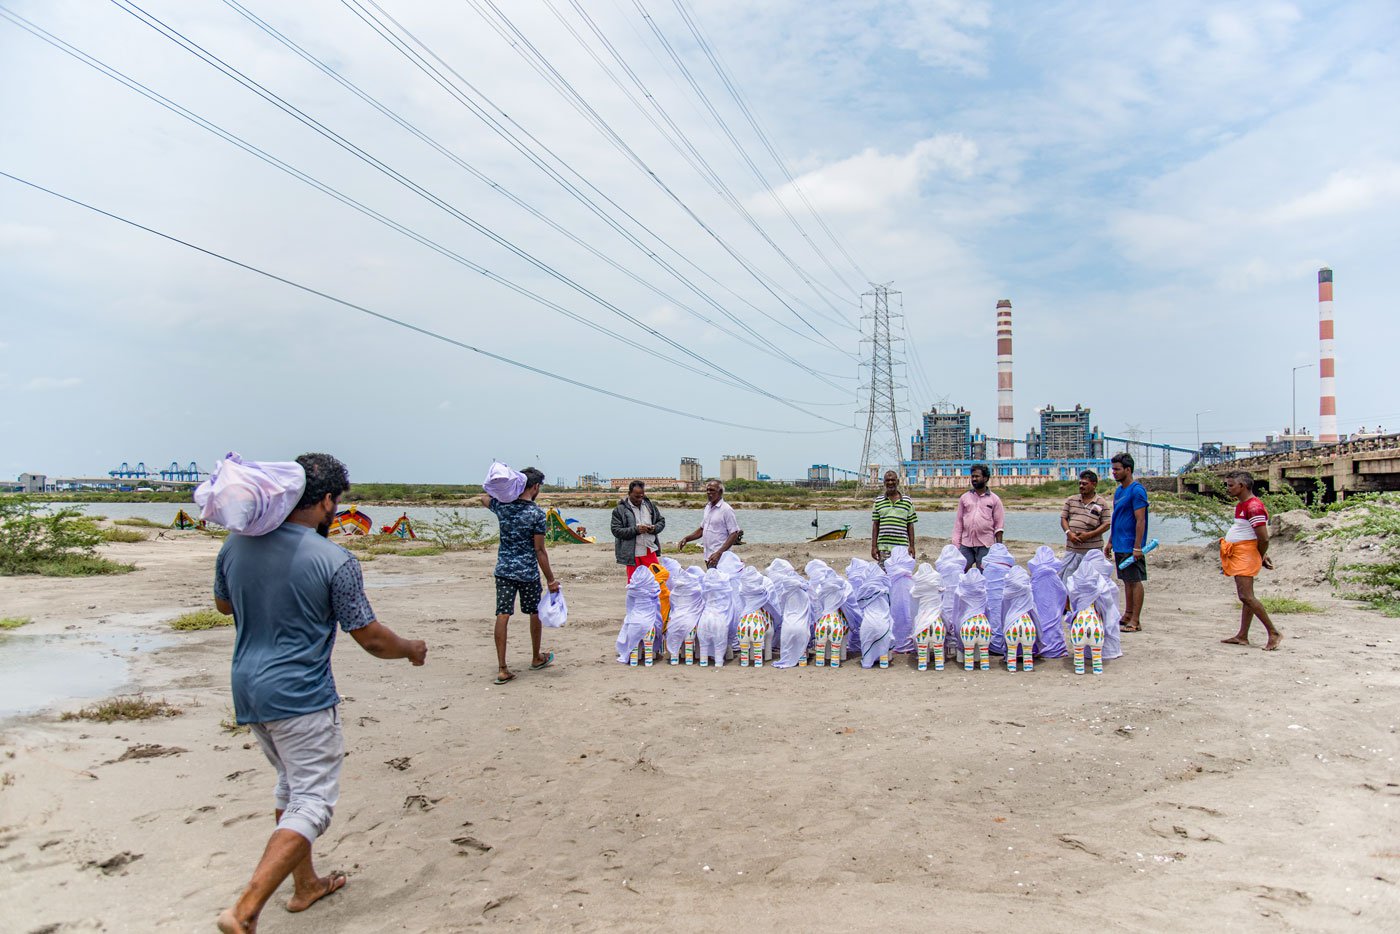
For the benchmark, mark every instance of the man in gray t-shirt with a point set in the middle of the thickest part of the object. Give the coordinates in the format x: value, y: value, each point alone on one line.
x: 287, y: 591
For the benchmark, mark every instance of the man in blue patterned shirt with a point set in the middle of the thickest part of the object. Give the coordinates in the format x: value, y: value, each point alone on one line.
x: 286, y: 591
x: 519, y: 560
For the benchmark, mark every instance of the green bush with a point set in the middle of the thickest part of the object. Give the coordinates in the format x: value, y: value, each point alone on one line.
x: 1276, y: 605
x: 131, y: 707
x: 14, y: 622
x: 117, y: 534
x: 140, y: 522
x: 59, y: 543
x: 1375, y: 515
x: 451, y: 530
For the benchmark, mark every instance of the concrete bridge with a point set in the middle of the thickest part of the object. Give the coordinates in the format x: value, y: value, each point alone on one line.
x: 1367, y: 465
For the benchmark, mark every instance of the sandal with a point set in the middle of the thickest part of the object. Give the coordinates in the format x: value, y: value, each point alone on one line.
x: 1133, y: 628
x: 506, y: 680
x: 548, y: 660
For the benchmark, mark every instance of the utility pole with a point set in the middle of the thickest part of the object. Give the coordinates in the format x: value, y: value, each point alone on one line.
x: 881, y: 329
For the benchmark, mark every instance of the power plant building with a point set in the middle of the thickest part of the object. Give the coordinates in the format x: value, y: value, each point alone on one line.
x: 738, y: 467
x: 1064, y: 433
x: 947, y: 435
x: 691, y: 471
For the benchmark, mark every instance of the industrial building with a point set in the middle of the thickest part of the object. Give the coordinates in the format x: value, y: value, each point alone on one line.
x: 738, y: 467
x: 691, y: 471
x: 947, y: 435
x: 1064, y: 433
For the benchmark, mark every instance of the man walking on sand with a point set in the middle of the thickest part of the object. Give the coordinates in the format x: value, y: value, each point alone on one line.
x: 1243, y: 552
x: 1128, y: 532
x: 519, y: 559
x: 636, y: 527
x: 1084, y: 518
x: 286, y: 591
x: 979, y: 520
x: 719, y: 528
x: 892, y: 521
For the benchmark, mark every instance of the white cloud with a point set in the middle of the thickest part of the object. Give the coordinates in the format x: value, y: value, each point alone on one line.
x: 1349, y: 191
x: 944, y: 33
x: 43, y: 383
x: 870, y: 180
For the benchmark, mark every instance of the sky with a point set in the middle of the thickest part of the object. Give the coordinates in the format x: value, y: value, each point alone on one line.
x: 571, y: 188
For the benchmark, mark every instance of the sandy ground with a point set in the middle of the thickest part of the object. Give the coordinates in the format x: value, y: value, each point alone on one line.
x: 1192, y: 786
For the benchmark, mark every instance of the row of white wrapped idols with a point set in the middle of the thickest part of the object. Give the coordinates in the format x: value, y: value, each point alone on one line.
x: 935, y: 611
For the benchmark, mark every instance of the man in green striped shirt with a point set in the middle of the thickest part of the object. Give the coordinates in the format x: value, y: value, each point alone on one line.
x: 892, y: 521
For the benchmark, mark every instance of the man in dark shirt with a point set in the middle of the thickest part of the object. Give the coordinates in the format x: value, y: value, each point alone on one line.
x: 519, y: 560
x: 286, y: 591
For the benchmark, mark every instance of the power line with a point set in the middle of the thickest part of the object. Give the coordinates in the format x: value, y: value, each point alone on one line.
x: 229, y: 71
x: 501, y: 189
x: 715, y: 60
x: 371, y: 20
x: 399, y: 321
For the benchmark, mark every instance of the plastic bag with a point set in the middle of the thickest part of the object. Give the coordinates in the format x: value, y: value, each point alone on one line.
x: 995, y: 568
x: 1017, y: 602
x: 972, y: 614
x: 754, y: 590
x: 554, y: 612
x: 950, y: 566
x: 793, y: 598
x: 250, y: 497
x: 1092, y: 584
x: 876, y: 623
x: 687, y: 601
x: 713, y: 630
x: 503, y: 484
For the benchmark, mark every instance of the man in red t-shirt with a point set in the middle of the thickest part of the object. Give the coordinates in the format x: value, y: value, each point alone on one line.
x: 1243, y: 552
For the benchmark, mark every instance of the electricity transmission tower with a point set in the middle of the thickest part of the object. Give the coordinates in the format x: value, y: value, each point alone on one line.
x: 882, y: 330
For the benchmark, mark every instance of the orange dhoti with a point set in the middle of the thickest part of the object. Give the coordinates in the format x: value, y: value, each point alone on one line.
x: 1240, y: 559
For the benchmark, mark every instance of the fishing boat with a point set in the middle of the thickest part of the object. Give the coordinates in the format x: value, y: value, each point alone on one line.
x: 835, y: 535
x: 562, y: 530
x: 402, y: 528
x: 184, y: 520
x: 351, y: 522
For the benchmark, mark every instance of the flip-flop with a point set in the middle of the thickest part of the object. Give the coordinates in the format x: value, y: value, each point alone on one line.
x: 549, y: 660
x: 1130, y: 629
x: 506, y: 680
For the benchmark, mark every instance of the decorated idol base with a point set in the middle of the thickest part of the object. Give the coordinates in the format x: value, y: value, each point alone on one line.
x: 1020, y: 636
x: 645, y: 652
x: 754, y: 630
x: 1086, y: 633
x: 976, y: 634
x: 831, y: 633
x: 930, y: 642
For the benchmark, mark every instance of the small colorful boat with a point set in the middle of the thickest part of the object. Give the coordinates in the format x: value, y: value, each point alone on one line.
x: 562, y: 530
x: 402, y: 528
x: 351, y: 522
x: 835, y: 535
x: 184, y: 520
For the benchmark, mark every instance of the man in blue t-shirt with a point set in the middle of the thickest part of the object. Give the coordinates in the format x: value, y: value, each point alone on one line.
x: 287, y: 591
x: 1126, y: 535
x: 519, y: 560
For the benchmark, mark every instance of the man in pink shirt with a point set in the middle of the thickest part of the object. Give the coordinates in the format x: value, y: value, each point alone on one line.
x: 979, y: 521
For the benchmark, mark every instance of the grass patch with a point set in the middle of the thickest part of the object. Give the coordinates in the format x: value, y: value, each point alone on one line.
x: 139, y: 521
x: 1287, y: 605
x: 408, y: 551
x: 129, y: 707
x: 14, y: 622
x: 72, y: 566
x: 230, y: 725
x: 200, y: 619
x: 117, y: 534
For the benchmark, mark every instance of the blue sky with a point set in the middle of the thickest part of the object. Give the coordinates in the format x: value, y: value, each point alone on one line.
x: 1153, y: 186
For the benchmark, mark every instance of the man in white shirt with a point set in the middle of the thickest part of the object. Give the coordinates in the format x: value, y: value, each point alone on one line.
x: 719, y: 528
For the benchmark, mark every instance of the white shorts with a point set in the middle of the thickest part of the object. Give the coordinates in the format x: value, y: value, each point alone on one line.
x: 306, y: 751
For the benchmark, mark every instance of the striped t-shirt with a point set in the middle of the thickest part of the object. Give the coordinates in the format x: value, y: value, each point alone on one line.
x: 893, y: 519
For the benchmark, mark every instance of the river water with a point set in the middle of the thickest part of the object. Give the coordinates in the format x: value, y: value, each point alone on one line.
x: 761, y: 526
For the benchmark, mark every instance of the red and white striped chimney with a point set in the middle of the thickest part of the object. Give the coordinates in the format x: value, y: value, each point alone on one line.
x: 1005, y: 419
x: 1327, y: 365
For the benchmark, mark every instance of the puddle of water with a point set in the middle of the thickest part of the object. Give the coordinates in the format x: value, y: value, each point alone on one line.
x: 43, y: 671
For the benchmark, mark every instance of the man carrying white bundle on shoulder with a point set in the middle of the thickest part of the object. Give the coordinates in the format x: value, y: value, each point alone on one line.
x: 287, y: 590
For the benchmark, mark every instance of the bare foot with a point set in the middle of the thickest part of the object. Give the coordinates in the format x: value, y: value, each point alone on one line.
x: 1274, y: 640
x: 1236, y: 640
x: 229, y: 924
x: 324, y: 886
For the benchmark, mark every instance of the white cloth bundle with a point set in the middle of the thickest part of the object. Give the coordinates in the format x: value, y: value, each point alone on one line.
x: 643, y: 613
x: 899, y: 571
x: 793, y: 599
x: 250, y: 497
x: 503, y: 484
x: 1091, y: 584
x: 1016, y: 600
x: 972, y: 602
x: 926, y: 595
x: 995, y: 567
x: 687, y: 603
x: 754, y: 590
x: 713, y: 630
x: 554, y: 612
x: 950, y: 566
x: 1049, y: 593
x: 876, y: 623
x: 830, y: 591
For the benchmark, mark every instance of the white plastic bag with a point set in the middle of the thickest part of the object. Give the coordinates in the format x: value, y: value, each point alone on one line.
x: 554, y: 612
x: 250, y: 497
x: 503, y: 484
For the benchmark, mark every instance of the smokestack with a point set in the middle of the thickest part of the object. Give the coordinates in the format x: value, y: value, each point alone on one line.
x: 1005, y: 420
x: 1327, y: 365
